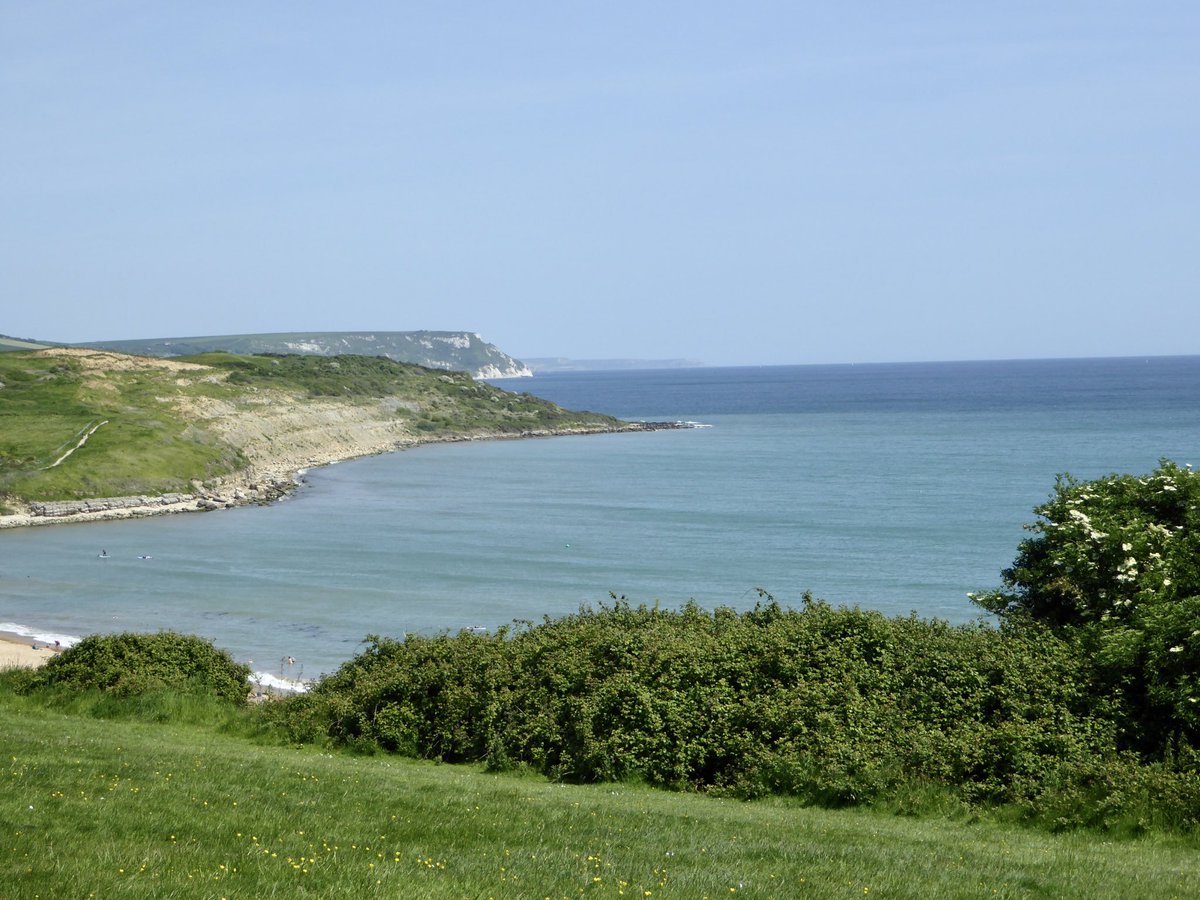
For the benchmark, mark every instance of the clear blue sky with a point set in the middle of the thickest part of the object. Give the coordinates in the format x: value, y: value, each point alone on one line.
x: 731, y: 182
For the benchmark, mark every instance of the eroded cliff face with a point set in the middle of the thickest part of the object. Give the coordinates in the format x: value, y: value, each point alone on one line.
x: 281, y: 433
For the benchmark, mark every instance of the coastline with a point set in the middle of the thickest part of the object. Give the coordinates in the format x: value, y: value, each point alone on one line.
x: 20, y: 652
x: 273, y: 476
x: 265, y: 481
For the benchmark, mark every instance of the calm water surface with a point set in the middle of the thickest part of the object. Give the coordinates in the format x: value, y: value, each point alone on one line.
x: 895, y: 487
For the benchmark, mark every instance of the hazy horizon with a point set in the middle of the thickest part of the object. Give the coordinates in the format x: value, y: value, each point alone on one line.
x: 693, y: 363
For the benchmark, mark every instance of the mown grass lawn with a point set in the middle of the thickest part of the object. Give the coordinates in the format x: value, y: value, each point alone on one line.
x: 104, y: 808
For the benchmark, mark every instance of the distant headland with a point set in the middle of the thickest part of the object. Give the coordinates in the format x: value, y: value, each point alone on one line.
x: 461, y: 351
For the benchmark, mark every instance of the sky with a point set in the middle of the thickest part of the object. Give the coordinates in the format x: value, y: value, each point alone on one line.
x: 735, y: 183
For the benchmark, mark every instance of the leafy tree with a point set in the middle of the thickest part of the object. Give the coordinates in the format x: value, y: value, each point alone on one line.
x: 1115, y: 563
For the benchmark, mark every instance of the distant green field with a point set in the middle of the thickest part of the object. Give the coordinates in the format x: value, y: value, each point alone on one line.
x: 11, y: 343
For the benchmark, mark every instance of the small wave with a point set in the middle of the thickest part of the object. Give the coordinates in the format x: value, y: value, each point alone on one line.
x: 275, y: 683
x: 45, y: 637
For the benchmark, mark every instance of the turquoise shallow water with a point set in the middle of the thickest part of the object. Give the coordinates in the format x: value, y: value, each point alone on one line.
x: 894, y: 487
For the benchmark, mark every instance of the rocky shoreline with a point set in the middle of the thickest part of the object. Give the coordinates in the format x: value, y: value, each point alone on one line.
x: 95, y: 509
x: 264, y: 483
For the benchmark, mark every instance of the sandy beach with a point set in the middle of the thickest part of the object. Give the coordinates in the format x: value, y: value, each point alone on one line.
x: 18, y: 652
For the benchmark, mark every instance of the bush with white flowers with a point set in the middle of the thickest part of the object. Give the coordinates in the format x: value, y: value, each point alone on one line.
x: 1116, y: 563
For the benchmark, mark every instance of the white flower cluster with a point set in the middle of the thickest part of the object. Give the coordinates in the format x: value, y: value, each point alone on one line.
x: 1083, y: 520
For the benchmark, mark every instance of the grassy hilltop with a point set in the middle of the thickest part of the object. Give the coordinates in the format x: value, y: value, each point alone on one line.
x: 78, y: 423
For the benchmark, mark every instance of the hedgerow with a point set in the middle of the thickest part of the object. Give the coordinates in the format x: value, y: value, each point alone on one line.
x: 835, y: 706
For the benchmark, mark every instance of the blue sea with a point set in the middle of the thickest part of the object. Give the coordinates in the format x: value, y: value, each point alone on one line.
x: 896, y: 487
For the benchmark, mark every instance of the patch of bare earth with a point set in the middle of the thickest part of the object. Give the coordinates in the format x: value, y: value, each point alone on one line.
x: 97, y: 365
x: 104, y: 360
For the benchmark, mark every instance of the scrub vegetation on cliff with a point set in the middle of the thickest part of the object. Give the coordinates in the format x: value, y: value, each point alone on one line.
x: 82, y: 423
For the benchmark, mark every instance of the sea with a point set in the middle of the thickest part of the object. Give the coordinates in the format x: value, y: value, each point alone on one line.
x: 892, y: 487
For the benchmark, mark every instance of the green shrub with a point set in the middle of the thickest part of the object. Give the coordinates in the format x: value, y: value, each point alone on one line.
x: 131, y: 664
x: 835, y: 706
x: 1115, y: 564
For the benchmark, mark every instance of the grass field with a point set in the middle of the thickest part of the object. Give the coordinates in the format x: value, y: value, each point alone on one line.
x: 103, y: 807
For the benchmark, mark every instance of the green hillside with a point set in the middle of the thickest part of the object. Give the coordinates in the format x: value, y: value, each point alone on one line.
x: 12, y: 343
x: 79, y: 424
